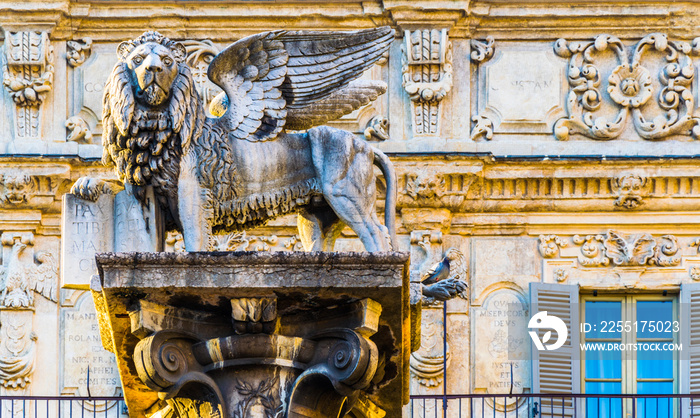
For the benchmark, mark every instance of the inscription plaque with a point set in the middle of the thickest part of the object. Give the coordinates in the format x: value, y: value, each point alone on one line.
x: 87, y: 229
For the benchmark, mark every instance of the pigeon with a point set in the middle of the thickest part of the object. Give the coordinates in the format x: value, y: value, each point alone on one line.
x: 441, y: 270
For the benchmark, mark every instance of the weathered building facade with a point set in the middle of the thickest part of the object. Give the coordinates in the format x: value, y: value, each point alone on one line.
x: 549, y: 142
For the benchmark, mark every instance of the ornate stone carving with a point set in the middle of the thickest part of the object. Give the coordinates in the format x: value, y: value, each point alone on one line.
x: 28, y: 77
x: 696, y: 243
x: 630, y: 189
x: 78, y: 130
x: 549, y: 245
x: 316, y: 354
x: 427, y: 364
x: 16, y: 188
x: 425, y: 186
x: 628, y: 250
x: 21, y: 275
x: 482, y: 50
x: 199, y: 55
x: 483, y: 127
x: 695, y: 273
x: 561, y: 274
x: 377, y: 129
x: 19, y: 341
x: 592, y: 250
x: 427, y: 76
x: 78, y: 51
x: 629, y: 87
x: 188, y: 162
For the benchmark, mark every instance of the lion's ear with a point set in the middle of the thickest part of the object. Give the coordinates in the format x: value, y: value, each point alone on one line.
x: 179, y: 51
x: 124, y: 49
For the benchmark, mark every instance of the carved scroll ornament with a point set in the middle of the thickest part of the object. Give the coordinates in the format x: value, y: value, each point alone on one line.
x: 630, y: 87
x: 427, y: 75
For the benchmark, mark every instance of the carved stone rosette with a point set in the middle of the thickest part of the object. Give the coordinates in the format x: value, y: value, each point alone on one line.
x: 427, y: 76
x: 299, y: 335
x: 28, y: 77
x: 630, y: 87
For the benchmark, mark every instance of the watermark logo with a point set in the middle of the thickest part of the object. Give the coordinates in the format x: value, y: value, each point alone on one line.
x: 543, y: 321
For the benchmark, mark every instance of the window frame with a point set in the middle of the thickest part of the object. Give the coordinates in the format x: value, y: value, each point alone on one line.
x: 629, y: 379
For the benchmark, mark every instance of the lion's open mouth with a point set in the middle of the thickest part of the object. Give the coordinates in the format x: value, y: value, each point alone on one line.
x: 154, y: 95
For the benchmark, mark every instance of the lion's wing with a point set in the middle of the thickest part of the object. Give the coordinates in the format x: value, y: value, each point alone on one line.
x: 250, y: 71
x: 356, y: 94
x: 321, y: 63
x: 300, y: 79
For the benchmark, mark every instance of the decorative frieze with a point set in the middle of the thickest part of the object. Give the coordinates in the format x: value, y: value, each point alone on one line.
x: 240, y: 241
x: 615, y: 249
x: 549, y: 245
x: 630, y: 86
x: 630, y: 189
x: 16, y: 188
x: 427, y: 76
x: 28, y: 77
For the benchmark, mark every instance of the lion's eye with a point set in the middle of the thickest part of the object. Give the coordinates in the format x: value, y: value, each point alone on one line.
x: 138, y: 60
x: 167, y: 61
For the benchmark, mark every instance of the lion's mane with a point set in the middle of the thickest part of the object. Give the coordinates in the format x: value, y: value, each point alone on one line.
x: 146, y: 145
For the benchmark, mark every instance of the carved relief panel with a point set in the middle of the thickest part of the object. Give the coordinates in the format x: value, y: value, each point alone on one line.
x: 615, y: 259
x: 520, y: 88
x: 644, y: 91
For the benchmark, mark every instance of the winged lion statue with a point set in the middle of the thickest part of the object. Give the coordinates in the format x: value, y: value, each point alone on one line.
x: 244, y: 167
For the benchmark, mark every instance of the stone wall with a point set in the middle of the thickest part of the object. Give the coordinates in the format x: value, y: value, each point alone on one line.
x: 526, y: 135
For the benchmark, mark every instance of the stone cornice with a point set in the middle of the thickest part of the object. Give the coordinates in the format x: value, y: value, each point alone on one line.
x: 224, y: 20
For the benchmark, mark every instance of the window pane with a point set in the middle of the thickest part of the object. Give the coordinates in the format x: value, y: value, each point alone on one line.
x: 603, y: 407
x: 655, y: 364
x: 654, y: 319
x: 602, y: 315
x: 655, y: 407
x: 603, y: 364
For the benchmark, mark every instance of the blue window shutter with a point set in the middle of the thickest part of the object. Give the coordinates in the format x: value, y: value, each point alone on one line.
x: 557, y: 371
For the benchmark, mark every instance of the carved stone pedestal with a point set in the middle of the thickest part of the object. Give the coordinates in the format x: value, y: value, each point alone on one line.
x: 257, y: 334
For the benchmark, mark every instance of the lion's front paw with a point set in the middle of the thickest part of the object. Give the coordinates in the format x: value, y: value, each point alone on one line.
x: 89, y: 188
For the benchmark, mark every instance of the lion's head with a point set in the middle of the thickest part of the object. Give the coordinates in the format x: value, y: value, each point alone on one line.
x: 153, y: 61
x: 151, y: 111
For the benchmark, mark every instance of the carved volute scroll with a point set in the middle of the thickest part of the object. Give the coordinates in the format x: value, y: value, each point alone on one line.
x: 28, y: 77
x: 629, y: 87
x: 427, y: 76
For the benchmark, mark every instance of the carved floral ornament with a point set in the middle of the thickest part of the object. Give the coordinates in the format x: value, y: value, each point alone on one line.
x: 616, y: 249
x: 630, y: 88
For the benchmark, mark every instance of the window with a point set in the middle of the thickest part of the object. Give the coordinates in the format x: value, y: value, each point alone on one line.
x: 622, y: 356
x: 563, y: 370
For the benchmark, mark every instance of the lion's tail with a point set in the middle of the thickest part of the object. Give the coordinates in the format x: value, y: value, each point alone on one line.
x: 387, y: 168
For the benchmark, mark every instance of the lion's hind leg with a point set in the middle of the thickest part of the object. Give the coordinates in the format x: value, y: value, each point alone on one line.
x: 318, y: 229
x: 345, y: 168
